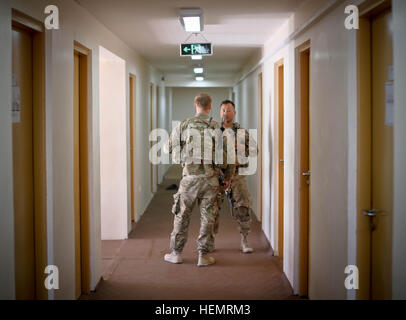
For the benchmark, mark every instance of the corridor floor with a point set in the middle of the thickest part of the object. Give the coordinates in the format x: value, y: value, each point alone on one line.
x: 135, y: 269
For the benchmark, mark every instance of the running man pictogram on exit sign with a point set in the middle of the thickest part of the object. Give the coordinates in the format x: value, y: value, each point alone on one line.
x: 191, y: 49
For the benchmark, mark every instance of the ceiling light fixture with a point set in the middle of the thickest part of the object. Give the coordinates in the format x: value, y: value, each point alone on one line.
x: 199, y: 78
x: 198, y: 70
x: 191, y: 19
x: 197, y: 57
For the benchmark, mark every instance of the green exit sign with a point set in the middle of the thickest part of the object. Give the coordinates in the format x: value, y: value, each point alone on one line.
x: 192, y: 49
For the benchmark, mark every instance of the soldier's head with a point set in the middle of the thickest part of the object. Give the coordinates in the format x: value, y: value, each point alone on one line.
x: 227, y: 111
x: 203, y: 103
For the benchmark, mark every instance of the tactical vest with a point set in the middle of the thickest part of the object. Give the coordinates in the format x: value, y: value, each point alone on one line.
x: 195, y: 163
x: 236, y: 126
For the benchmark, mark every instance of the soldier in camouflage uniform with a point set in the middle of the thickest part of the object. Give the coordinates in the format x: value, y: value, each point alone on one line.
x: 199, y: 179
x: 240, y: 194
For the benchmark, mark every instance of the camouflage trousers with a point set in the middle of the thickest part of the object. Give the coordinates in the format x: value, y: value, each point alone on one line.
x: 242, y: 207
x: 194, y: 189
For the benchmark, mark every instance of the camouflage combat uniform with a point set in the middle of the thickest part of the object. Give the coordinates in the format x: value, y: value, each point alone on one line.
x: 199, y: 183
x: 240, y: 194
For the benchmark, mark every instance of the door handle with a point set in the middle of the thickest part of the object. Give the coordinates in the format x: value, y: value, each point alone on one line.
x: 306, y: 174
x: 372, y: 212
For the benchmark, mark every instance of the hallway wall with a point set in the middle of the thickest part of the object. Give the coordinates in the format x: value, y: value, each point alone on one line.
x: 165, y: 121
x: 113, y: 155
x: 330, y: 68
x: 76, y: 24
x: 182, y: 100
x: 333, y: 132
x: 6, y: 165
x: 247, y: 101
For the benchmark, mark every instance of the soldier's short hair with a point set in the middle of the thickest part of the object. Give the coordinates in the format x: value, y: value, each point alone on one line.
x: 203, y: 100
x: 227, y: 102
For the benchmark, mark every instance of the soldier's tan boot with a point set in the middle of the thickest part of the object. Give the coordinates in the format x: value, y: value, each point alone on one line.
x: 245, y: 248
x: 205, y: 260
x: 173, y: 257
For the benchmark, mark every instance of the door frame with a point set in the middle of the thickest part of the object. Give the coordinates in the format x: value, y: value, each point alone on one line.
x: 37, y: 29
x: 133, y: 94
x: 85, y: 156
x: 260, y: 129
x: 151, y: 123
x: 277, y: 151
x: 157, y: 98
x: 367, y: 10
x: 302, y: 227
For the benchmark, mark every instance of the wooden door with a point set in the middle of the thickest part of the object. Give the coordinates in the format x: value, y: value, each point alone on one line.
x: 280, y: 158
x: 375, y: 154
x: 81, y: 173
x: 382, y: 157
x: 29, y: 161
x: 23, y: 165
x: 304, y: 172
x: 364, y: 159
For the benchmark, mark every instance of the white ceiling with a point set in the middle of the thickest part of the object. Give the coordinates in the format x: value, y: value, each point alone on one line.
x: 237, y: 28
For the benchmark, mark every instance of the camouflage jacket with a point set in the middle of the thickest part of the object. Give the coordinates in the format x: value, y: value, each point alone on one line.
x: 181, y: 145
x: 250, y: 145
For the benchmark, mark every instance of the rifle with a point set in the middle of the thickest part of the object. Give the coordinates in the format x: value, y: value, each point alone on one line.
x: 229, y: 194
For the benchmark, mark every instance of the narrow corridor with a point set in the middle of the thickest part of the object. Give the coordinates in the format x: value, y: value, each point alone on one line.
x: 135, y: 269
x: 90, y: 92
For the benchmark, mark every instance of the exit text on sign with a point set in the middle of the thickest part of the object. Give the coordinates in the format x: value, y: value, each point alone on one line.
x: 190, y: 49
